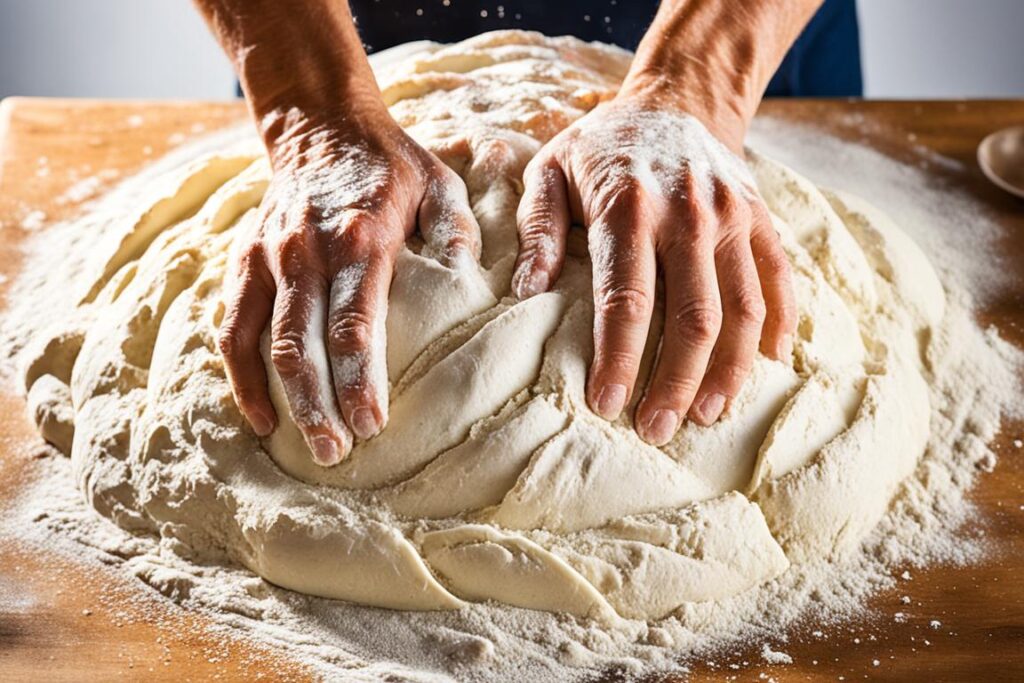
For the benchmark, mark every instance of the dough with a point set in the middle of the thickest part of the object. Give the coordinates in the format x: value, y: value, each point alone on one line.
x: 492, y: 481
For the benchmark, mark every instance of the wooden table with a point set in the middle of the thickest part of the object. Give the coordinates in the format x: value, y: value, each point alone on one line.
x: 59, y: 621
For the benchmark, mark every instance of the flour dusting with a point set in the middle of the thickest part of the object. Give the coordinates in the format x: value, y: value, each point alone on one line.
x: 973, y: 383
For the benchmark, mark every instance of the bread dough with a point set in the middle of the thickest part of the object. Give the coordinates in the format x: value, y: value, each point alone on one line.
x: 492, y: 480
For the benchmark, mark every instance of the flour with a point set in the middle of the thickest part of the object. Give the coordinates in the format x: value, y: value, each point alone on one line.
x: 774, y: 656
x: 656, y: 147
x: 973, y: 380
x: 86, y: 188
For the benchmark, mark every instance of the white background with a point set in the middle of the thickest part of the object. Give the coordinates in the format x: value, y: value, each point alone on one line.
x: 162, y: 49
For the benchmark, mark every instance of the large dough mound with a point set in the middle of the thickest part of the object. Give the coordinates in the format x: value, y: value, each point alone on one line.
x: 492, y: 481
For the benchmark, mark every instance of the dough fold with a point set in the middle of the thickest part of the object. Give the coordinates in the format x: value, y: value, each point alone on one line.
x: 492, y: 479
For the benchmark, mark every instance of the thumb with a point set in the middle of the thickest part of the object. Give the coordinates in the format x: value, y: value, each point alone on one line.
x: 543, y: 224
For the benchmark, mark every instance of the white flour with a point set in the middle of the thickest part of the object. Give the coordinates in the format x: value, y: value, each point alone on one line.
x: 977, y: 379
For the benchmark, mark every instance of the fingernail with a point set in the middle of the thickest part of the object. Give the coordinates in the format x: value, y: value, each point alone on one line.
x: 611, y: 401
x: 261, y: 424
x: 785, y: 349
x: 531, y: 283
x: 710, y: 408
x: 325, y: 451
x: 662, y: 426
x: 364, y: 423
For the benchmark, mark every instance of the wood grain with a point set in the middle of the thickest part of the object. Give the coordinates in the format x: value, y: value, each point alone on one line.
x: 73, y: 623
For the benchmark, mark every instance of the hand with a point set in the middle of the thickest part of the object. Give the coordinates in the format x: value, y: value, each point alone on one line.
x: 656, y: 189
x: 345, y: 195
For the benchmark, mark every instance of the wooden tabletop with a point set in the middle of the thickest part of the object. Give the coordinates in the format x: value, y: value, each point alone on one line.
x: 60, y: 620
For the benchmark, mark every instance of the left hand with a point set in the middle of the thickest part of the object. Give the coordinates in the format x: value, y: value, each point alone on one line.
x: 656, y: 189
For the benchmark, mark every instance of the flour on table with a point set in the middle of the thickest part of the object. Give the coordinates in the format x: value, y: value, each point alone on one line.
x: 506, y: 527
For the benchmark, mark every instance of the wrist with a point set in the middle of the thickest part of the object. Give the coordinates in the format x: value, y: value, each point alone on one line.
x: 718, y: 106
x: 297, y: 124
x: 301, y: 65
x: 714, y: 58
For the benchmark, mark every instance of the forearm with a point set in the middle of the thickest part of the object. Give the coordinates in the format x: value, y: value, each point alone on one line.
x: 291, y: 58
x: 714, y: 58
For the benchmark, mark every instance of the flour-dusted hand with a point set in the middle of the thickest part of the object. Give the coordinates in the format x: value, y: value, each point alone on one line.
x: 349, y: 186
x: 656, y: 176
x: 657, y: 190
x: 344, y: 197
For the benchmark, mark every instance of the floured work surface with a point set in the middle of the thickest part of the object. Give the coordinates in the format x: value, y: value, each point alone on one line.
x: 887, y: 633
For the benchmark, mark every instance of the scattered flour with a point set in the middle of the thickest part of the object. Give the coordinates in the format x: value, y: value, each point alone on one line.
x: 976, y: 383
x: 86, y: 188
x: 774, y: 656
x: 34, y: 220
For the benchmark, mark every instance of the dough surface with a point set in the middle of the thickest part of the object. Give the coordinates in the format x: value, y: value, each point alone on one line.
x: 492, y: 480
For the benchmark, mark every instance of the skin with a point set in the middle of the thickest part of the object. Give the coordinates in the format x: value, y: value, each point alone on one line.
x: 319, y: 265
x: 727, y: 280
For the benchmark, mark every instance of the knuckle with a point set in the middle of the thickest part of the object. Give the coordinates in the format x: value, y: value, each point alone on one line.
x: 619, y: 160
x: 349, y: 332
x: 676, y: 388
x: 613, y: 363
x: 694, y: 229
x: 288, y: 354
x: 534, y: 216
x: 533, y: 231
x: 310, y: 214
x: 728, y: 203
x: 459, y: 241
x: 537, y: 244
x: 540, y: 198
x: 787, y: 309
x: 749, y: 307
x: 630, y: 191
x: 293, y: 252
x: 250, y: 255
x: 354, y: 218
x: 699, y: 320
x: 614, y: 178
x: 535, y: 167
x: 451, y: 181
x: 629, y: 303
x: 732, y: 212
x: 359, y: 232
x: 682, y: 245
x: 734, y: 219
x: 229, y: 343
x: 730, y: 376
x: 541, y: 170
x: 759, y: 213
x: 775, y: 264
x: 701, y: 217
x: 785, y: 312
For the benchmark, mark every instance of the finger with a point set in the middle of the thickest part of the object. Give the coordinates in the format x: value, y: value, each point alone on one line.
x: 776, y: 286
x: 248, y: 310
x: 299, y: 355
x: 543, y: 222
x: 447, y: 223
x: 743, y: 313
x: 356, y: 341
x: 693, y: 315
x: 624, y: 273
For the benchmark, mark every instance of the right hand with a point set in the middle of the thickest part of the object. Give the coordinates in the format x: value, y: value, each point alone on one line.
x: 346, y: 193
x: 658, y: 191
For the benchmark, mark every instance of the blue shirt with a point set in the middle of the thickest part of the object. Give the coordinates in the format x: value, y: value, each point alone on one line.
x: 823, y: 62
